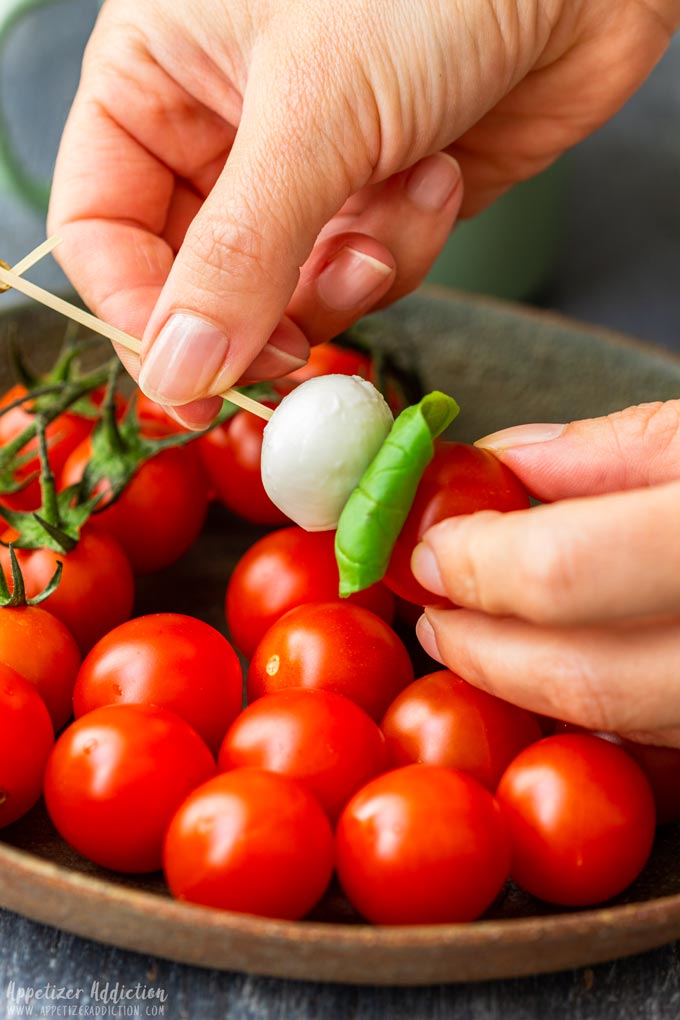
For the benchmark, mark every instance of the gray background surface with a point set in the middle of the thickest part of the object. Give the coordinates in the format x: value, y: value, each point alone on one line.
x: 619, y: 266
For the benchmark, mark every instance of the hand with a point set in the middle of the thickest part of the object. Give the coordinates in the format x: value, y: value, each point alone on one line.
x: 571, y: 609
x: 215, y: 148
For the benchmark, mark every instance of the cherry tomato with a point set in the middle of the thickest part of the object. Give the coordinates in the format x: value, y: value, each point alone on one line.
x: 250, y: 841
x: 422, y: 845
x: 327, y: 359
x: 162, y: 510
x: 661, y: 765
x: 332, y: 646
x: 96, y: 591
x: 286, y: 569
x: 175, y: 661
x: 63, y: 435
x: 460, y: 479
x: 321, y: 739
x: 442, y: 720
x: 26, y: 739
x: 231, y: 458
x: 148, y: 410
x: 41, y: 648
x: 581, y: 817
x: 115, y: 778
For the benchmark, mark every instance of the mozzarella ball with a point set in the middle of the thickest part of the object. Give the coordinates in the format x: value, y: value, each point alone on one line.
x: 317, y: 445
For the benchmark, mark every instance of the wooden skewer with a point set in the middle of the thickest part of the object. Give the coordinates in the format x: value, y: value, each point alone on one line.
x: 57, y: 304
x: 36, y: 255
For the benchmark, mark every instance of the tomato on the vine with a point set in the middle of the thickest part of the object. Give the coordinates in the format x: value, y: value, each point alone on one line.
x: 251, y: 841
x: 321, y: 739
x: 161, y: 511
x: 231, y: 456
x: 170, y: 660
x: 332, y: 646
x: 42, y: 649
x: 581, y: 818
x: 460, y: 479
x: 286, y: 569
x: 442, y: 720
x: 115, y: 778
x: 26, y: 739
x: 422, y: 845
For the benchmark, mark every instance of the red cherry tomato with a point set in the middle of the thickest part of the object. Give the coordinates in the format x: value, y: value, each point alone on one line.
x: 460, y: 479
x: 321, y: 739
x: 63, y: 435
x: 41, y: 648
x: 115, y: 778
x: 26, y: 738
x: 96, y: 591
x: 231, y: 457
x: 250, y: 841
x: 174, y: 661
x: 162, y: 510
x: 332, y: 646
x: 286, y: 569
x: 442, y: 720
x: 422, y: 845
x: 327, y: 359
x: 581, y: 818
x: 661, y: 765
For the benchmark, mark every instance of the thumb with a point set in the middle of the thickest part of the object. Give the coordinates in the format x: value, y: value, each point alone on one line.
x: 239, y: 263
x: 630, y: 449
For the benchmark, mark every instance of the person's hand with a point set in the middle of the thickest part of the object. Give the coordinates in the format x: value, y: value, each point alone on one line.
x: 571, y: 609
x: 216, y: 147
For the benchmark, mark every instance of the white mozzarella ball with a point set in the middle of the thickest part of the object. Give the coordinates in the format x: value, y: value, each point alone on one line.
x: 317, y: 445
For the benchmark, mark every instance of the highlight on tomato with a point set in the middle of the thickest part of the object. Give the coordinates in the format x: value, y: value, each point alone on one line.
x: 422, y: 845
x: 252, y: 841
x: 332, y: 646
x: 170, y: 660
x: 285, y: 569
x: 115, y: 778
x: 26, y: 739
x: 321, y: 739
x: 442, y: 720
x: 581, y: 818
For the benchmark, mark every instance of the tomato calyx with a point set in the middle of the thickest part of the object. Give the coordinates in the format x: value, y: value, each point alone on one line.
x: 17, y: 596
x: 56, y: 524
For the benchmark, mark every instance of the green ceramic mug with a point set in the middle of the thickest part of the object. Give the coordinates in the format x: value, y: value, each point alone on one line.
x: 14, y: 177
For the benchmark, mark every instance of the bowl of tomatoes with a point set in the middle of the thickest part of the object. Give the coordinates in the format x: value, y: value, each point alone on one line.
x: 206, y: 755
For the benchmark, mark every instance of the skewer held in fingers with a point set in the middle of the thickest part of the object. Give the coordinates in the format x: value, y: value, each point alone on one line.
x: 91, y: 322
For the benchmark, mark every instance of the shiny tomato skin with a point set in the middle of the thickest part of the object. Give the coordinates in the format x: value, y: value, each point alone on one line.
x: 162, y: 510
x: 335, y: 647
x: 422, y: 845
x: 96, y: 591
x: 41, y: 648
x: 115, y: 778
x: 323, y: 740
x: 170, y: 660
x: 63, y: 435
x: 285, y: 569
x: 231, y: 455
x: 460, y: 479
x: 327, y: 359
x: 26, y: 739
x: 581, y: 818
x: 250, y: 841
x: 442, y: 720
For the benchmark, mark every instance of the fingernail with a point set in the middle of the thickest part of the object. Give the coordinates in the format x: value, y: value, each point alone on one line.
x: 274, y: 360
x: 350, y: 278
x: 521, y: 435
x: 433, y: 181
x: 426, y: 569
x: 425, y: 635
x: 196, y: 416
x: 184, y: 360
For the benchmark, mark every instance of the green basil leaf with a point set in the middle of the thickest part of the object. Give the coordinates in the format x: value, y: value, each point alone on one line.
x: 375, y: 512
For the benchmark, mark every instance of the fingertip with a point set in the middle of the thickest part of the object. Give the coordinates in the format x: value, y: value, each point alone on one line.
x: 196, y: 416
x: 426, y: 636
x: 426, y: 570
